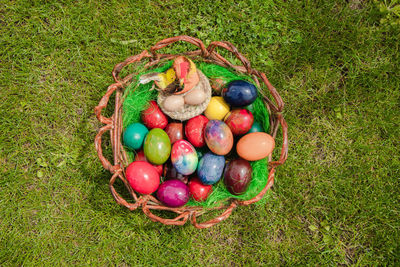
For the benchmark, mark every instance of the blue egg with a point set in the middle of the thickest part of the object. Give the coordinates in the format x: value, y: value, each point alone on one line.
x: 210, y: 168
x: 134, y: 135
x: 239, y: 93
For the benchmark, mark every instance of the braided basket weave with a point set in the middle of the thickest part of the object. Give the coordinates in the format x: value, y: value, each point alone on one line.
x: 114, y: 126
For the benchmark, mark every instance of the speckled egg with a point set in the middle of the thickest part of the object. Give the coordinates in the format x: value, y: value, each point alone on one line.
x: 184, y: 157
x: 239, y: 93
x: 239, y: 121
x: 173, y: 193
x: 255, y: 146
x: 218, y: 137
x: 210, y: 168
x: 157, y: 146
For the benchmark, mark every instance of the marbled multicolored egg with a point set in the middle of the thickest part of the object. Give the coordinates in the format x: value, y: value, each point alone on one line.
x: 255, y: 146
x: 157, y: 146
x: 210, y: 168
x: 194, y: 130
x: 239, y: 121
x: 239, y: 93
x: 184, y: 157
x: 218, y: 137
x: 173, y: 193
x: 237, y: 176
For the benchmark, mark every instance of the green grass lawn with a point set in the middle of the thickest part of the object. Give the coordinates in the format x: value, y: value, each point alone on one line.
x: 335, y: 201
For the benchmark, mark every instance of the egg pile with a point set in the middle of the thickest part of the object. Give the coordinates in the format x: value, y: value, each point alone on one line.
x: 178, y: 160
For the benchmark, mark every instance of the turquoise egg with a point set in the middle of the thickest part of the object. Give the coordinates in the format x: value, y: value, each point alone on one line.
x: 257, y: 127
x: 157, y: 146
x: 134, y: 135
x: 210, y: 168
x: 184, y: 157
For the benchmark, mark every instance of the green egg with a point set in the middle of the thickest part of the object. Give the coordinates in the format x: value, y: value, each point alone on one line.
x: 257, y: 127
x: 134, y: 135
x: 157, y: 146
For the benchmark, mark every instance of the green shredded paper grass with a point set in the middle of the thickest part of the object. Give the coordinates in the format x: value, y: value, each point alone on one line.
x: 137, y: 96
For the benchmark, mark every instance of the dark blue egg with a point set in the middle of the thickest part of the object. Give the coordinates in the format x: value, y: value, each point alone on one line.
x: 239, y: 93
x: 210, y: 168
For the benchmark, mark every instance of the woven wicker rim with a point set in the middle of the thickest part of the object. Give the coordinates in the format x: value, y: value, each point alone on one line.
x: 114, y: 126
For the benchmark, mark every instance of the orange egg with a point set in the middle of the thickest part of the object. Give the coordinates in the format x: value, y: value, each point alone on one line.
x: 255, y: 146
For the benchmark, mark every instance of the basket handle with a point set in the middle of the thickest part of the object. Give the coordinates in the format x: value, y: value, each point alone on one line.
x: 185, y: 38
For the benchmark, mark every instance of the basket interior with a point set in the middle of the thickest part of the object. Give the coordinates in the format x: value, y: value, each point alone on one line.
x: 135, y: 99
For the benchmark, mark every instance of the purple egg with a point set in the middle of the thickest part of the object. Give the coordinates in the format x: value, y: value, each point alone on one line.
x: 173, y: 193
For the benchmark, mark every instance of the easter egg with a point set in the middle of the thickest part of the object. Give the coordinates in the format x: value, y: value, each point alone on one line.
x: 153, y: 117
x: 218, y: 137
x: 239, y: 121
x: 174, y: 103
x: 141, y: 157
x: 217, y: 108
x: 210, y: 168
x: 173, y: 193
x: 194, y: 130
x: 142, y: 177
x: 255, y: 146
x: 239, y: 93
x: 257, y: 127
x: 171, y: 173
x: 134, y: 135
x: 237, y: 176
x: 184, y: 157
x: 195, y: 97
x: 174, y: 131
x: 157, y: 146
x: 199, y: 191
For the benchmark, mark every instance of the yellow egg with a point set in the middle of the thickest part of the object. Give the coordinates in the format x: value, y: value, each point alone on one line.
x: 217, y: 108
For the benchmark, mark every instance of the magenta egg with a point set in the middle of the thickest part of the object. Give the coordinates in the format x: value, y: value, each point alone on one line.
x: 184, y: 157
x: 218, y: 136
x: 173, y: 193
x: 239, y: 121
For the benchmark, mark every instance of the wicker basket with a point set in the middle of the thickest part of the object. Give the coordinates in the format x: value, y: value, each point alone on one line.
x: 114, y: 126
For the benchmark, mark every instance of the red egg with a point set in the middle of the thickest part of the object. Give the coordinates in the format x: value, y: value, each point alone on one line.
x: 153, y: 117
x: 142, y: 177
x: 141, y: 157
x: 174, y: 131
x: 237, y: 176
x: 239, y: 121
x: 199, y: 191
x: 194, y: 130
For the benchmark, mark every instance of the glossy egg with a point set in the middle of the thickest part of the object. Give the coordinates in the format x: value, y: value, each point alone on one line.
x: 157, y: 146
x: 171, y: 173
x: 173, y: 193
x: 217, y: 108
x: 255, y: 146
x: 199, y: 191
x: 239, y: 121
x: 210, y: 168
x: 141, y: 157
x: 134, y: 135
x: 237, y: 176
x: 194, y: 130
x: 174, y: 131
x: 218, y: 136
x: 239, y: 93
x: 142, y: 177
x: 184, y: 157
x: 174, y: 103
x: 153, y: 117
x: 257, y: 127
x: 195, y: 97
